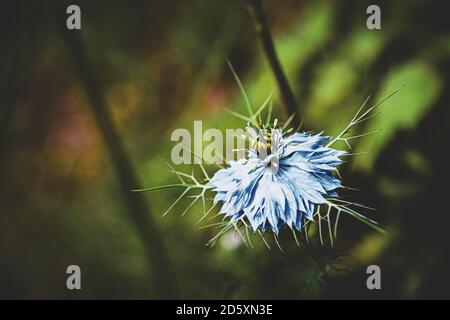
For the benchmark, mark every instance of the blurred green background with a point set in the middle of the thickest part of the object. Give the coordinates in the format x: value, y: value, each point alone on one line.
x: 86, y: 116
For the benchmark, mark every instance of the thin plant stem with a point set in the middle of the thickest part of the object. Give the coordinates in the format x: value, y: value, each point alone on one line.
x: 268, y: 47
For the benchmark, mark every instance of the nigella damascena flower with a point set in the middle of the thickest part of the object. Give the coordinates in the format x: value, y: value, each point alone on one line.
x: 280, y: 182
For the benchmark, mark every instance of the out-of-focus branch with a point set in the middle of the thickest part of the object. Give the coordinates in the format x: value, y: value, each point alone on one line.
x: 138, y: 209
x: 265, y: 37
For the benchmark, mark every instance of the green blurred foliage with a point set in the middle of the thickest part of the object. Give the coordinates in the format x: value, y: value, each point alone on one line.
x: 420, y: 85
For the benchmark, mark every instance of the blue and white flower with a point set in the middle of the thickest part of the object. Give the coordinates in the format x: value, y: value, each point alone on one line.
x: 280, y: 182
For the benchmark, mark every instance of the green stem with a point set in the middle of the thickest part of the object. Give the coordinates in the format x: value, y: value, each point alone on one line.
x: 268, y: 47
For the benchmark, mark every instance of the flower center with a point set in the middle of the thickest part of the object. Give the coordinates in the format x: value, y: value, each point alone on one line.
x: 261, y: 143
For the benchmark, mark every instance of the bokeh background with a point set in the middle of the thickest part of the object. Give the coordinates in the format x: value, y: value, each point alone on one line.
x: 86, y: 116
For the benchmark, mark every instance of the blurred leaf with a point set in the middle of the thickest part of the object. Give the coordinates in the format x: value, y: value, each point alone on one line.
x: 403, y: 110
